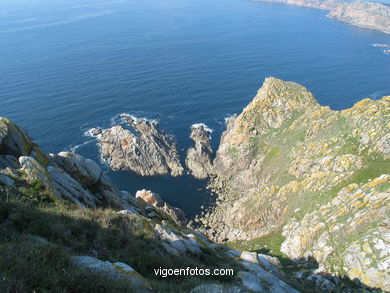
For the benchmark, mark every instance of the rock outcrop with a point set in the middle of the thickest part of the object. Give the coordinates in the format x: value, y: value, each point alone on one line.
x: 367, y: 14
x: 115, y: 271
x: 199, y: 158
x: 373, y: 15
x: 144, y: 148
x: 287, y: 163
x: 153, y: 199
x: 332, y: 234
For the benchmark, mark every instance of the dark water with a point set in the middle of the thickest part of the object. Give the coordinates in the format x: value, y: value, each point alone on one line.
x: 67, y: 66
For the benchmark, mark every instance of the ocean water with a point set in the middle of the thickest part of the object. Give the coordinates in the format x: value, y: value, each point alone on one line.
x: 67, y: 66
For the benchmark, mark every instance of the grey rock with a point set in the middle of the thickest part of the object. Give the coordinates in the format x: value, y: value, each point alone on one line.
x: 199, y: 158
x: 117, y: 270
x: 145, y: 149
x: 86, y: 170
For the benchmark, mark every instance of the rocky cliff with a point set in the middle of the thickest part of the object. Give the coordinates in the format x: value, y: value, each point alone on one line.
x: 373, y: 15
x: 64, y: 227
x: 288, y: 165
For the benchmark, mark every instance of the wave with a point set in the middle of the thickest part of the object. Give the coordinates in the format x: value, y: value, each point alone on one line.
x: 196, y: 125
x: 74, y: 149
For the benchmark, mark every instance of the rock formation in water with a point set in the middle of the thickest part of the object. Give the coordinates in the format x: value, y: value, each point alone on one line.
x: 61, y: 214
x: 373, y: 15
x: 144, y: 149
x: 317, y: 179
x: 199, y: 158
x: 153, y: 199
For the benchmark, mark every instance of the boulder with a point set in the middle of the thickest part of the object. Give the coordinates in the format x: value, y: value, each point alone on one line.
x: 117, y: 270
x: 86, y: 170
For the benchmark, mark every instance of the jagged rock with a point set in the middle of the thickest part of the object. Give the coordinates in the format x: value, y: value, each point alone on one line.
x: 176, y: 214
x: 146, y: 149
x: 69, y: 188
x: 115, y: 270
x: 199, y: 159
x: 175, y: 242
x: 86, y: 170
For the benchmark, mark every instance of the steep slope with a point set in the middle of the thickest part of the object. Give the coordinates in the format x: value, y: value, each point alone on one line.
x: 64, y: 227
x: 284, y: 164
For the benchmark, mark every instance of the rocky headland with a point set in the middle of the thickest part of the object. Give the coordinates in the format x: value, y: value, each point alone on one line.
x: 314, y: 178
x: 64, y: 227
x: 303, y: 204
x: 143, y: 148
x: 372, y: 15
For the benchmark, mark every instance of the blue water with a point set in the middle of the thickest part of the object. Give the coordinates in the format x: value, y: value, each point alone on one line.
x: 67, y: 66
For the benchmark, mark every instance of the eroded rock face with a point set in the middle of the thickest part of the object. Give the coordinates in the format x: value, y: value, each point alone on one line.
x: 286, y: 159
x: 332, y: 234
x: 285, y: 147
x: 176, y: 214
x: 146, y: 149
x: 199, y: 158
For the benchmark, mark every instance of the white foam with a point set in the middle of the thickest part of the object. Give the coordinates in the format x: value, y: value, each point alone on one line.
x: 197, y: 125
x: 89, y: 132
x: 136, y: 119
x: 76, y: 147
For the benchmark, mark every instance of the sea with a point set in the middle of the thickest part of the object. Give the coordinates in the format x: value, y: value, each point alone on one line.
x: 69, y: 65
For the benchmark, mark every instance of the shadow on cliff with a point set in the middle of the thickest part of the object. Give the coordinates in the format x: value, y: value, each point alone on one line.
x: 302, y: 273
x: 65, y: 230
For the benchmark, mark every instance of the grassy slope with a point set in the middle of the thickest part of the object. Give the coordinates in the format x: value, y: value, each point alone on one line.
x: 27, y: 264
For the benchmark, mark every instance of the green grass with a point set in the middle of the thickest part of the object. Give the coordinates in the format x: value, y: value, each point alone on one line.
x: 79, y: 231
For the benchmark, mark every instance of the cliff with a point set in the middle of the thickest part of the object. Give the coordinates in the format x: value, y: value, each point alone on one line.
x: 316, y: 178
x: 372, y: 15
x: 64, y: 227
